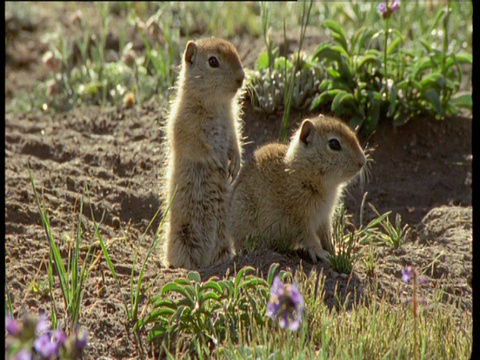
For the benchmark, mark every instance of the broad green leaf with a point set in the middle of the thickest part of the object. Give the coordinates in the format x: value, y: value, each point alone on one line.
x: 345, y: 70
x: 333, y: 73
x: 176, y: 288
x: 211, y: 295
x: 262, y: 61
x: 341, y: 41
x: 393, y: 45
x: 373, y: 52
x: 364, y: 60
x: 421, y: 64
x: 214, y: 286
x: 337, y: 33
x: 435, y: 80
x: 281, y: 63
x: 434, y: 98
x: 341, y: 51
x: 241, y: 273
x: 327, y: 52
x: 464, y: 58
x: 157, y: 301
x: 154, y: 315
x: 396, y: 32
x: 194, y: 276
x: 363, y: 39
x: 402, y: 84
x: 182, y: 281
x: 227, y: 286
x: 440, y: 15
x: 271, y: 273
x: 462, y: 100
x: 341, y: 99
x: 325, y: 85
x: 254, y: 282
x: 426, y: 45
x: 323, y: 98
x: 375, y: 95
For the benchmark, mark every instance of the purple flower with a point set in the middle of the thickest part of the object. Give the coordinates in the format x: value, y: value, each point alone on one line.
x: 395, y: 6
x: 59, y: 336
x: 382, y: 8
x: 23, y: 354
x: 11, y: 325
x: 42, y: 325
x: 410, y: 272
x: 80, y: 339
x: 388, y: 11
x: 285, y: 304
x: 45, y: 346
x: 407, y: 274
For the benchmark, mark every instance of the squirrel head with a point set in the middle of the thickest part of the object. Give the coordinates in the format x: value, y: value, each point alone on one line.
x: 212, y: 66
x: 327, y: 148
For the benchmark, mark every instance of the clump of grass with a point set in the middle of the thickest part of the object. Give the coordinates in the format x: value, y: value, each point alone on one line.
x: 72, y: 276
x: 347, y: 238
x: 344, y: 243
x: 373, y: 328
x: 394, y: 235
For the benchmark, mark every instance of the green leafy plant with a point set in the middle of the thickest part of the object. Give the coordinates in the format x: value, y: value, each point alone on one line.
x: 353, y: 81
x: 207, y: 313
x: 394, y: 234
x: 367, y: 85
x: 73, y: 275
x: 344, y: 243
x: 347, y: 238
x: 282, y: 82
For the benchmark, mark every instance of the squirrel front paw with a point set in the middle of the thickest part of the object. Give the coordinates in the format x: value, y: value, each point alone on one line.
x: 319, y: 253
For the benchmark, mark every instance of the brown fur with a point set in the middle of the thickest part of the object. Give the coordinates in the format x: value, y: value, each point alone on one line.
x: 288, y: 193
x: 203, y: 155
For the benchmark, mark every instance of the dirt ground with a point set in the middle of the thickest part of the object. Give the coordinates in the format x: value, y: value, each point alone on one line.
x: 421, y: 171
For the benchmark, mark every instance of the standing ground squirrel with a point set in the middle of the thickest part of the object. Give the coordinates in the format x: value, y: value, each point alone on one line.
x: 288, y: 193
x: 203, y: 135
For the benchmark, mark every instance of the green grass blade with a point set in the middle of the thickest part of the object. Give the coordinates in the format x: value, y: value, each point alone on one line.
x: 54, y: 251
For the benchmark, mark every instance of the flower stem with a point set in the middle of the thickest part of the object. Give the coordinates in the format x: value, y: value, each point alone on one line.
x: 445, y: 51
x: 385, y: 46
x: 415, y: 322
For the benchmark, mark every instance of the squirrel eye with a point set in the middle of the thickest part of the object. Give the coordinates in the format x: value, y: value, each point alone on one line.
x: 213, y: 62
x: 334, y: 144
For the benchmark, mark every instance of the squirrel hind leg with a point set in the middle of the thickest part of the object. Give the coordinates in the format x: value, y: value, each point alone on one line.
x: 184, y: 250
x: 224, y: 254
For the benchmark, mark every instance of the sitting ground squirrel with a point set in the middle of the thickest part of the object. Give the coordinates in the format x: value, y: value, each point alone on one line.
x: 288, y: 193
x: 203, y: 135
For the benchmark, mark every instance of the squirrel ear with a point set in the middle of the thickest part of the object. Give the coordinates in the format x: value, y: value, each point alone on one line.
x: 305, y: 131
x: 190, y: 52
